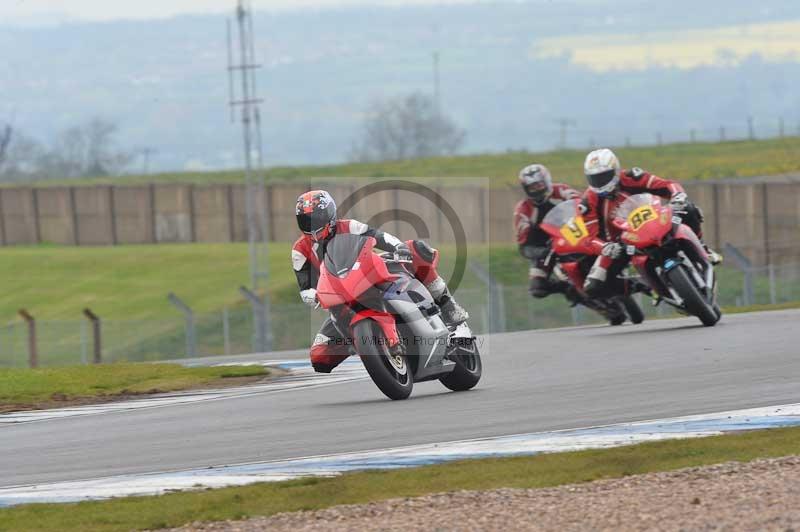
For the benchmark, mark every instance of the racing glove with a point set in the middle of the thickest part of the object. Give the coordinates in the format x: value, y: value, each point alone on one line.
x: 679, y: 202
x: 403, y: 253
x: 612, y: 250
x: 309, y: 297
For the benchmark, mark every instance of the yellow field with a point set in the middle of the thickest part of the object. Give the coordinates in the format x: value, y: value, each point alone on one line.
x: 681, y: 49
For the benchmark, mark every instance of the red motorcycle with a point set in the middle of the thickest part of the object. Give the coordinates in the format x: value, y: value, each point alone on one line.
x: 669, y: 257
x: 574, y: 249
x: 391, y: 321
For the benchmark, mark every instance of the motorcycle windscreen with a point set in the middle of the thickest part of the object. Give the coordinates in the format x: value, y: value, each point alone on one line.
x: 561, y: 214
x: 637, y: 203
x: 350, y: 269
x: 564, y: 223
x: 643, y: 219
x: 342, y: 253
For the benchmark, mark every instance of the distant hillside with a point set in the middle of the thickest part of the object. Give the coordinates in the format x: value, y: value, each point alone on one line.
x: 679, y: 161
x: 510, y: 71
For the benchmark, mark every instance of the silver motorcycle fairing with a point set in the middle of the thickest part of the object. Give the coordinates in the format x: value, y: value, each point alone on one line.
x: 462, y: 332
x: 425, y: 336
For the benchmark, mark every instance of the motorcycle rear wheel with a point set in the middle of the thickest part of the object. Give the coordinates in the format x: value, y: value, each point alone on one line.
x: 695, y: 303
x: 468, y: 370
x: 390, y: 373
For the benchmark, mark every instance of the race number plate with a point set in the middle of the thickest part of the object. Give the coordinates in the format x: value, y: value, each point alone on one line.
x: 641, y: 216
x: 574, y: 230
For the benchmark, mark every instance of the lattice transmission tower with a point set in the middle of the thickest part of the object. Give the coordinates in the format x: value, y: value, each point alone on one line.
x: 242, y: 64
x: 245, y: 103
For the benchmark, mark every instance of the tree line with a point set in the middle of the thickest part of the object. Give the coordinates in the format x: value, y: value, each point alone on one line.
x: 405, y: 127
x: 84, y: 150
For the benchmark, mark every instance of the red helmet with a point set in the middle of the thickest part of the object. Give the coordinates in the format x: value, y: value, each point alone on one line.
x: 316, y: 214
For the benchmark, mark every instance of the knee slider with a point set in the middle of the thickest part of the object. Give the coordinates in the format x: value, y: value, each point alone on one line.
x: 322, y: 368
x: 593, y: 287
x: 538, y: 288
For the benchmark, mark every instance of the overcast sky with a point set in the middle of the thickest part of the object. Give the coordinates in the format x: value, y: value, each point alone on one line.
x: 60, y: 10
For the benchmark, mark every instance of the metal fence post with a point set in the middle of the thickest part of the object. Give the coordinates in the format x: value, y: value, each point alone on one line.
x: 96, y: 336
x: 501, y: 306
x: 261, y: 343
x: 33, y: 356
x: 576, y: 315
x: 12, y: 337
x: 84, y: 344
x: 496, y: 303
x: 773, y: 293
x: 188, y: 315
x: 226, y: 330
x: 2, y: 346
x: 746, y: 266
x: 267, y: 323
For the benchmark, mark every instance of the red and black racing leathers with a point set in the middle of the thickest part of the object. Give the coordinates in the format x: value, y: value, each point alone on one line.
x: 534, y: 243
x: 600, y: 212
x: 329, y: 348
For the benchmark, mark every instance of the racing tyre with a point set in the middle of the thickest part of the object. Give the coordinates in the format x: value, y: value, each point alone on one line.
x: 390, y: 373
x: 633, y: 309
x: 617, y: 319
x: 695, y: 302
x: 468, y: 368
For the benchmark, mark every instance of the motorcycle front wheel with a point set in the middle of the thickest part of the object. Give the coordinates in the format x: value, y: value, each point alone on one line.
x: 694, y: 300
x: 390, y: 373
x: 469, y: 367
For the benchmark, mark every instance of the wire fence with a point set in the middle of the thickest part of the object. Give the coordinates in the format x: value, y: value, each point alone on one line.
x: 493, y: 308
x: 658, y: 131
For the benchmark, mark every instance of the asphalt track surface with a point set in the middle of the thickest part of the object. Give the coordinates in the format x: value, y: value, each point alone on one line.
x: 533, y: 381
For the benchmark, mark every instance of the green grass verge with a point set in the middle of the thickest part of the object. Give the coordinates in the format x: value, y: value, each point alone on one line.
x: 130, y: 282
x: 127, y: 287
x: 761, y: 308
x: 314, y: 493
x: 32, y: 386
x: 678, y: 161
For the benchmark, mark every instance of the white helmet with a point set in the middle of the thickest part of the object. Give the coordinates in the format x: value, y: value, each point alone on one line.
x: 537, y: 183
x: 602, y: 171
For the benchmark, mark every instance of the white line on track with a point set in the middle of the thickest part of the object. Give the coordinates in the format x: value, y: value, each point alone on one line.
x: 330, y: 465
x: 302, y: 376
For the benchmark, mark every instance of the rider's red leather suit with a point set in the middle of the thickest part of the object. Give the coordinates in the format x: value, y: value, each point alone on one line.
x: 534, y: 243
x: 600, y: 211
x: 528, y: 215
x: 329, y: 349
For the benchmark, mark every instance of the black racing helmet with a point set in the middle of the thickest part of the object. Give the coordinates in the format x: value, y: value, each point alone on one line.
x: 316, y: 214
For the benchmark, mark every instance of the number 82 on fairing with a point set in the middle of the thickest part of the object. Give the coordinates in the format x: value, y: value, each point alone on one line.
x: 641, y: 216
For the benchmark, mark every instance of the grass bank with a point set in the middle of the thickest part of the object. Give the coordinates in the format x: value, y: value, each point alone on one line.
x: 26, y: 388
x: 315, y: 493
x: 678, y: 161
x: 130, y: 282
x: 127, y: 287
x: 761, y: 308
